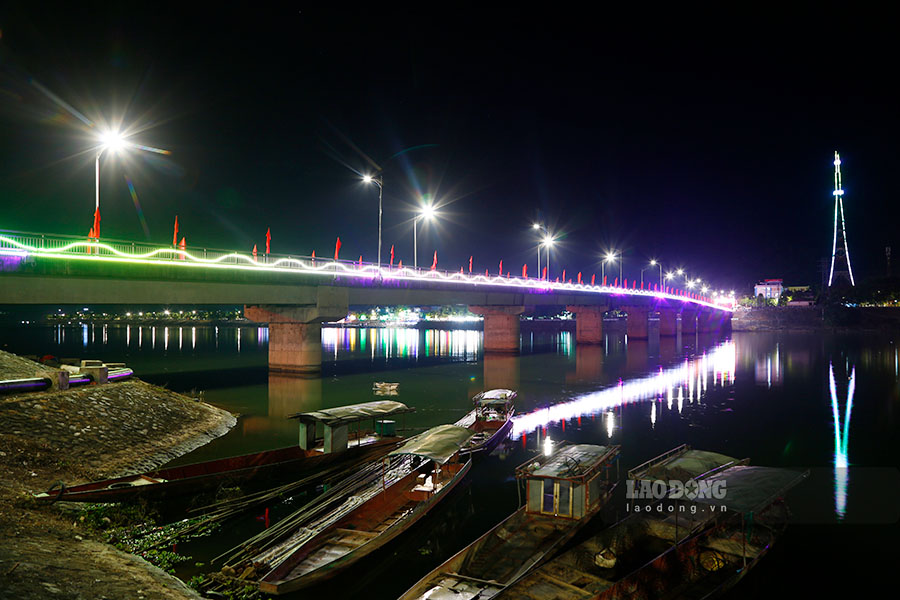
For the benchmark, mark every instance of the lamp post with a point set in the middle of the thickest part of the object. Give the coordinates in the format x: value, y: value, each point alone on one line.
x: 537, y: 226
x: 113, y: 141
x: 548, y: 242
x: 653, y: 263
x: 377, y: 181
x: 428, y: 213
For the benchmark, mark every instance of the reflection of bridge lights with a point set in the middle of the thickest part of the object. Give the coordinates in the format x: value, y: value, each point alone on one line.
x: 610, y: 424
x: 96, y: 251
x: 548, y: 446
x: 720, y: 360
x: 841, y: 437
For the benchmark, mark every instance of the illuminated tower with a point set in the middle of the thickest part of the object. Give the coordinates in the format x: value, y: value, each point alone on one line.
x: 839, y: 253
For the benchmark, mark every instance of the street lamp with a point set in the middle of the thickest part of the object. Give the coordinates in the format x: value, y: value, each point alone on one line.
x: 544, y: 242
x: 428, y: 213
x: 548, y: 242
x: 377, y: 181
x: 610, y: 257
x: 653, y: 263
x: 112, y: 141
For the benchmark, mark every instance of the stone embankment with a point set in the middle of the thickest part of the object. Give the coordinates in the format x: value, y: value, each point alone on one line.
x: 79, y: 435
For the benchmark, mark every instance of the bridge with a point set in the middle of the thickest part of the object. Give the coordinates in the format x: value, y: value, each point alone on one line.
x: 296, y: 294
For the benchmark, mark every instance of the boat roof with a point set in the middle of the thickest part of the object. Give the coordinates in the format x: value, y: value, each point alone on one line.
x: 497, y: 397
x: 438, y: 443
x: 751, y: 488
x: 573, y: 461
x: 341, y: 415
x: 687, y: 465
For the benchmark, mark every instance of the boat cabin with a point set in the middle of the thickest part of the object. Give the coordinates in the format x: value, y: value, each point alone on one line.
x: 440, y: 445
x: 494, y: 405
x: 335, y: 424
x: 570, y: 483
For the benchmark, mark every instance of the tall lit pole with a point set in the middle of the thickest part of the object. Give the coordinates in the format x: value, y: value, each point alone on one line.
x: 610, y: 257
x: 428, y: 213
x: 653, y: 263
x: 548, y: 242
x: 113, y: 141
x: 537, y: 226
x: 378, y: 182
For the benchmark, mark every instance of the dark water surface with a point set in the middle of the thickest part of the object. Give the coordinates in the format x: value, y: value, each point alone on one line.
x: 781, y: 399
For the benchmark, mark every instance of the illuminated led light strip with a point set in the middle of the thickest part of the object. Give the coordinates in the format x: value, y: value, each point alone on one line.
x: 721, y: 360
x: 172, y: 257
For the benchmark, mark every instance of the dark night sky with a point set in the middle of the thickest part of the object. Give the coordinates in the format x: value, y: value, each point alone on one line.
x: 703, y: 139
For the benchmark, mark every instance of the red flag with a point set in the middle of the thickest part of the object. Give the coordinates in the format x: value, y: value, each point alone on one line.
x: 616, y: 282
x: 434, y: 262
x: 460, y: 270
x: 181, y: 245
x: 507, y: 274
x: 633, y: 284
x: 557, y: 280
x: 360, y: 261
x: 254, y: 251
x: 314, y: 258
x: 564, y: 276
x: 90, y: 237
x: 175, y: 234
x: 400, y: 265
x: 604, y: 280
x: 470, y: 264
x: 525, y: 271
x: 97, y: 223
x: 642, y: 285
x: 268, y: 239
x: 625, y: 283
x: 544, y: 275
x: 579, y: 277
x: 337, y: 248
x: 593, y: 278
x: 486, y: 273
x: 392, y: 255
x: 501, y: 267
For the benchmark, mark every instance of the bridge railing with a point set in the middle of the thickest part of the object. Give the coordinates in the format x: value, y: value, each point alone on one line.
x: 122, y: 250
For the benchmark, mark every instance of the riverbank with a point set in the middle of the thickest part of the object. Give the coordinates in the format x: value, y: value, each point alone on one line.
x: 815, y: 318
x: 81, y: 435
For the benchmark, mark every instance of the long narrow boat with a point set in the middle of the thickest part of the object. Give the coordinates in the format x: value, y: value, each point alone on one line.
x: 423, y: 471
x: 491, y: 420
x: 337, y: 444
x: 563, y: 492
x: 648, y: 556
x: 682, y: 463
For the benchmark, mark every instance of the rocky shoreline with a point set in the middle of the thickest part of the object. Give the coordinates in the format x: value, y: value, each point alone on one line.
x: 77, y: 435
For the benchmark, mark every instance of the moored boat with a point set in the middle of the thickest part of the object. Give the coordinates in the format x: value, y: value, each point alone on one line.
x: 417, y: 476
x: 491, y: 420
x: 648, y: 555
x: 563, y: 492
x: 315, y: 451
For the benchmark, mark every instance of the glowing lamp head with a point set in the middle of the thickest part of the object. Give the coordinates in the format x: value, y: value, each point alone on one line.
x: 536, y: 226
x: 670, y: 275
x: 680, y: 272
x: 367, y: 179
x: 548, y: 241
x: 653, y: 262
x: 112, y: 141
x: 610, y: 257
x: 704, y: 289
x: 428, y: 212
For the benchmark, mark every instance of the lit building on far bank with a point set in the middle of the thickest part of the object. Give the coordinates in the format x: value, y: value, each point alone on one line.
x: 770, y: 289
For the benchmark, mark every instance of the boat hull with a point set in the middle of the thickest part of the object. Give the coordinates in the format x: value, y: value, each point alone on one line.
x: 336, y: 566
x: 283, y: 464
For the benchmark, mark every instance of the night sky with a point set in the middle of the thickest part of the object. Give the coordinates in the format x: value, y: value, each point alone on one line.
x: 704, y: 140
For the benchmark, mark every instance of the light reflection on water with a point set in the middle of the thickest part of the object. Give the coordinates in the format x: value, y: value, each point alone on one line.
x: 841, y: 439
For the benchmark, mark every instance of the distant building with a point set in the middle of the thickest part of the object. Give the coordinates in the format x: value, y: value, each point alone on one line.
x: 770, y: 289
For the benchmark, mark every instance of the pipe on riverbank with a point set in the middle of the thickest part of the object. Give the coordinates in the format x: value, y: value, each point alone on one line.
x: 32, y: 384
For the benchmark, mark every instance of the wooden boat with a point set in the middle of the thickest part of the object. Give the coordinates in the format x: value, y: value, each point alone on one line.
x: 385, y: 386
x: 648, y: 555
x: 424, y: 469
x: 683, y: 463
x: 491, y: 420
x: 563, y: 492
x: 337, y: 444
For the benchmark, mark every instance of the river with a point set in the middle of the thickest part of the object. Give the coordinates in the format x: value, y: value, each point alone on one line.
x: 818, y: 401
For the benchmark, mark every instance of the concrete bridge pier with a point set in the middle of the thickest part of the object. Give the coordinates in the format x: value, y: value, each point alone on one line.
x: 588, y: 323
x: 501, y: 327
x: 636, y: 325
x: 669, y: 323
x: 295, y: 331
x: 689, y: 321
